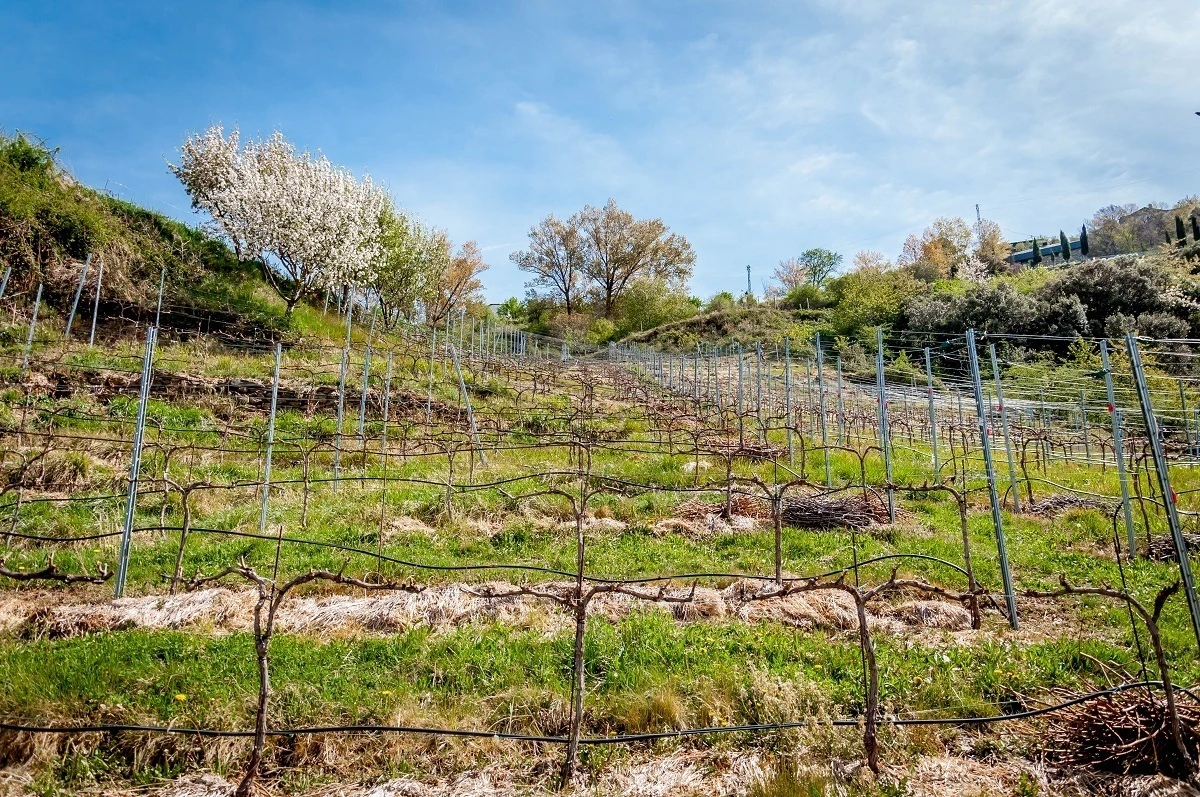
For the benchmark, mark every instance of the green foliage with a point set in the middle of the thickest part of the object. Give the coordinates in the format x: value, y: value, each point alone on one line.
x: 1129, y: 285
x: 1064, y: 246
x: 513, y: 310
x: 819, y: 265
x: 737, y: 324
x: 1083, y: 241
x: 650, y: 302
x: 870, y: 298
x: 43, y: 212
x: 723, y: 300
x: 601, y: 330
x: 1094, y: 298
x: 807, y: 296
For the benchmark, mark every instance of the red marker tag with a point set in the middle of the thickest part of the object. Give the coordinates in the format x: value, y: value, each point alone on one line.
x: 1111, y: 408
x: 1174, y: 497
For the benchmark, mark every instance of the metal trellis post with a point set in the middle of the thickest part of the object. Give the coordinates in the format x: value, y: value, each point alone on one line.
x: 841, y: 405
x: 885, y: 437
x: 341, y: 412
x: 37, y: 303
x: 135, y: 462
x: 1118, y: 447
x: 96, y: 304
x: 1012, y: 471
x: 787, y: 399
x: 162, y: 278
x: 1164, y: 481
x: 266, y: 487
x: 989, y: 465
x: 462, y: 386
x: 937, y: 466
x: 78, y: 291
x: 821, y: 409
x: 741, y: 423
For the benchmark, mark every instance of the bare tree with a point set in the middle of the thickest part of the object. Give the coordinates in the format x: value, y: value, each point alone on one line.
x: 791, y: 273
x: 555, y: 257
x: 620, y: 247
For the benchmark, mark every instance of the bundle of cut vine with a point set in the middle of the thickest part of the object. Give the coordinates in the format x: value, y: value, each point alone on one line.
x: 1127, y: 732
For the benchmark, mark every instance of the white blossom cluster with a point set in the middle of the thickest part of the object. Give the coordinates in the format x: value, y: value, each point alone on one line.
x: 305, y: 218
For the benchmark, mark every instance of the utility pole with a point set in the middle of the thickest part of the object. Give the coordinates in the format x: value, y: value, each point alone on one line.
x: 978, y: 218
x: 749, y: 292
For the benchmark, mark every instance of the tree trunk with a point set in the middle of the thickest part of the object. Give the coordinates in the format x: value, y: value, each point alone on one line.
x: 183, y: 535
x: 870, y: 736
x: 262, y: 646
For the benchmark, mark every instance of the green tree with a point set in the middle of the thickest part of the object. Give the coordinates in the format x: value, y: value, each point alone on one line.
x: 1037, y: 252
x: 1195, y: 230
x: 869, y: 298
x: 819, y: 265
x: 1064, y: 246
x: 723, y: 300
x: 513, y: 310
x: 1083, y: 241
x: 990, y: 247
x: 1180, y: 231
x: 414, y: 258
x: 650, y: 302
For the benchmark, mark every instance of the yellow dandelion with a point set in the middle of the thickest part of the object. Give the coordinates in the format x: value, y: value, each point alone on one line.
x: 386, y: 692
x: 181, y: 698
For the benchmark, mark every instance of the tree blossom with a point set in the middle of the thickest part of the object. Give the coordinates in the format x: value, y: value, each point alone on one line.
x: 312, y: 224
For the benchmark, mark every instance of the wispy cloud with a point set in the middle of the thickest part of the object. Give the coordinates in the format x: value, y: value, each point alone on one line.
x: 755, y: 130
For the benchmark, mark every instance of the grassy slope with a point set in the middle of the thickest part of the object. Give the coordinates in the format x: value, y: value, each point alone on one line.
x: 645, y: 672
x: 744, y: 325
x: 49, y: 223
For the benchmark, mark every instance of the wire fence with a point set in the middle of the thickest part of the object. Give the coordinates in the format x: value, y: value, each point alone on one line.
x: 798, y: 434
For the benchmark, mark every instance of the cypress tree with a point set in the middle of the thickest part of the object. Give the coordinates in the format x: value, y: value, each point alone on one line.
x: 1168, y: 234
x: 1064, y: 246
x: 1083, y: 241
x: 1180, y: 232
x: 1037, y: 252
x: 1195, y: 230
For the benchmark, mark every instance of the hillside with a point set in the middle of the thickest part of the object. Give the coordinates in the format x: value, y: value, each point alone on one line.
x: 734, y: 325
x: 389, y: 565
x: 50, y: 223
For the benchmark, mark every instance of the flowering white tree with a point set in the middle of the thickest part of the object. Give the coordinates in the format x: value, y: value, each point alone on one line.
x: 310, y: 223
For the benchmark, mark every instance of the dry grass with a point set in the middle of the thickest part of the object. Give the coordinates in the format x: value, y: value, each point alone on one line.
x: 952, y: 776
x: 444, y: 608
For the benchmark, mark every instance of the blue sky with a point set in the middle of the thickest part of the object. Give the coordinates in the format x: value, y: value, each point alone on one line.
x: 755, y: 129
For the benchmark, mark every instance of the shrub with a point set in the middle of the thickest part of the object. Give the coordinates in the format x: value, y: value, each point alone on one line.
x: 1128, y: 285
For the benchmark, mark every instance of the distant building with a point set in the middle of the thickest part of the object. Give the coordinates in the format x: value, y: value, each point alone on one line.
x: 1050, y: 251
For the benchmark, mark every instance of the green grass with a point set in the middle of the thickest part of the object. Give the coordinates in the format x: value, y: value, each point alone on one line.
x: 643, y: 672
x: 173, y: 677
